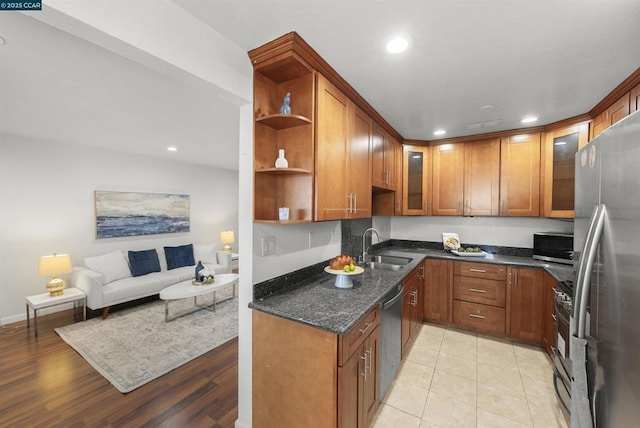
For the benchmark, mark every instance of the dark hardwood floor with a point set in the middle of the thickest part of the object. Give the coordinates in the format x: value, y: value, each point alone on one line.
x: 45, y: 383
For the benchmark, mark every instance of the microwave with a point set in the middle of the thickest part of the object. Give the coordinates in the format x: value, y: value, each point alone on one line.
x: 553, y: 247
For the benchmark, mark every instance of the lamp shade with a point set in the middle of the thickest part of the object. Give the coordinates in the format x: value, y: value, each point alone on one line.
x: 55, y: 264
x: 226, y: 237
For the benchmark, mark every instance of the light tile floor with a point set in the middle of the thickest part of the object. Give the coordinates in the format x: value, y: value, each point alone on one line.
x: 458, y: 379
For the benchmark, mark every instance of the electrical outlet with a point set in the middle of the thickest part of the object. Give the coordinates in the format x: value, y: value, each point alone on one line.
x: 268, y: 245
x: 312, y: 239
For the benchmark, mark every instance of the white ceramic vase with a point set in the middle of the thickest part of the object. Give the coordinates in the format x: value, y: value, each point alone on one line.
x: 281, y: 162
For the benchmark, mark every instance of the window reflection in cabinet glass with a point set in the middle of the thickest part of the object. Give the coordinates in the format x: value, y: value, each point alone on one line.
x: 564, y: 150
x: 414, y: 193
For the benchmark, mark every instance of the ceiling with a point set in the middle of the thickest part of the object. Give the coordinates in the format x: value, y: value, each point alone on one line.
x: 549, y: 58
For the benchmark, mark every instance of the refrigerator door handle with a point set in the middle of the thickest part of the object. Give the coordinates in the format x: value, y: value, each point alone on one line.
x: 580, y: 270
x: 587, y: 268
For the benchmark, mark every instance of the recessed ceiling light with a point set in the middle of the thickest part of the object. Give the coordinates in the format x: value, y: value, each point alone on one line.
x: 172, y: 149
x: 488, y: 107
x: 397, y: 44
x: 439, y: 132
x: 529, y: 119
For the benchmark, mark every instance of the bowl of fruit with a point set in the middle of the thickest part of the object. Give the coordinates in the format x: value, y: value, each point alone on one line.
x: 343, y: 266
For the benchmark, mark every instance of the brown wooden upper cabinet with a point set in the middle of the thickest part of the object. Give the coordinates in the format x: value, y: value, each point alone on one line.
x: 520, y: 175
x: 447, y: 171
x: 634, y: 99
x: 343, y: 161
x: 384, y: 149
x: 617, y: 111
x: 482, y: 178
x: 558, y: 169
x: 415, y: 180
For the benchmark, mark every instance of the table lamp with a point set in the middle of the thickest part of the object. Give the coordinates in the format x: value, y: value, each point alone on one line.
x: 54, y: 265
x: 226, y: 237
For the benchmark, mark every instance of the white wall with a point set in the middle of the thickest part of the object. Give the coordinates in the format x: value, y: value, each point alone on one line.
x: 499, y: 231
x: 47, y: 206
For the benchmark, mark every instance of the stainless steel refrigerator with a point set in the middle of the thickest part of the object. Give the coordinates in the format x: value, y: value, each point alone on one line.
x: 605, y: 324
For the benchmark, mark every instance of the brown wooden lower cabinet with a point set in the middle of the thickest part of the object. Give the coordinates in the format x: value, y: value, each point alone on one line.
x: 479, y: 317
x: 412, y: 308
x: 305, y: 376
x: 437, y: 290
x: 524, y: 293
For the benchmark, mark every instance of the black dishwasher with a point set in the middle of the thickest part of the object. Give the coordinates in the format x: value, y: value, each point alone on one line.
x: 390, y: 337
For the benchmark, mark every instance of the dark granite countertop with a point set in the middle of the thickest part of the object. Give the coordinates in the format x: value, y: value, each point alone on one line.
x: 315, y: 301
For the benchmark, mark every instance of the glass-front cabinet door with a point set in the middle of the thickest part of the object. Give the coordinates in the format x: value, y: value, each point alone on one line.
x: 415, y: 180
x: 560, y: 148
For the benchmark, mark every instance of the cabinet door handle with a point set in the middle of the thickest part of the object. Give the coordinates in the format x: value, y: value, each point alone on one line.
x: 555, y: 317
x: 363, y: 330
x: 515, y: 283
x: 477, y: 290
x: 478, y: 270
x: 370, y: 365
x: 477, y: 316
x: 364, y: 371
x: 355, y: 203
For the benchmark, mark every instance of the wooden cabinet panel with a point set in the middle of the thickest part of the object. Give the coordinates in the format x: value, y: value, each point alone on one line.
x: 558, y: 169
x: 371, y: 382
x: 399, y: 193
x: 416, y: 185
x: 634, y: 99
x: 383, y: 149
x: 352, y: 340
x: 549, y: 322
x: 358, y: 183
x: 482, y: 178
x: 447, y: 171
x: 349, y: 391
x: 482, y: 318
x: 619, y: 110
x: 520, y: 175
x: 412, y: 308
x: 485, y: 291
x: 525, y: 297
x: 599, y: 124
x: 480, y: 270
x: 437, y: 290
x: 332, y: 200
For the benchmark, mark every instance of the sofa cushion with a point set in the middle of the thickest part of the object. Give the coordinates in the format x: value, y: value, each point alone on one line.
x: 144, y: 262
x: 112, y: 266
x: 179, y: 256
x: 205, y: 253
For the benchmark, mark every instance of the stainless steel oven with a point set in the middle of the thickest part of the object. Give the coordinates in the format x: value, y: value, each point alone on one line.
x: 561, y: 360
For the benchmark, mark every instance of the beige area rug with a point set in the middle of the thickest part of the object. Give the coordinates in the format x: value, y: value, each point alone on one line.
x: 134, y: 346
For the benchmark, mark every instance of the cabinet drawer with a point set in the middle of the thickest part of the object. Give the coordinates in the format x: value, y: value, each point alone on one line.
x: 480, y: 270
x: 349, y: 342
x: 483, y: 318
x: 485, y: 291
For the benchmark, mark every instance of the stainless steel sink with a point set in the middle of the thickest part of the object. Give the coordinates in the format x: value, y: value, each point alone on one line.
x: 392, y: 260
x: 387, y: 262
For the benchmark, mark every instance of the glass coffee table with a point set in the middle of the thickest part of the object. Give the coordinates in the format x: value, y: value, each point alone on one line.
x: 185, y: 290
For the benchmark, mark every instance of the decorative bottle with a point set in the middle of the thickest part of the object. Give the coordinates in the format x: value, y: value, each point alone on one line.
x: 199, y: 268
x: 281, y: 162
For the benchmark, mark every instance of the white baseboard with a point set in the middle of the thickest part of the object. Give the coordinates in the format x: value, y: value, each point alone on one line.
x: 241, y: 424
x: 21, y: 317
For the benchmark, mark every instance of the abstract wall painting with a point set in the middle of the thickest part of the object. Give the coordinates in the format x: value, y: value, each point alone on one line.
x: 121, y: 214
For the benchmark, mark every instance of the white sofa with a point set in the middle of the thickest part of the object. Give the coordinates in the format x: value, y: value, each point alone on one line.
x: 107, y: 281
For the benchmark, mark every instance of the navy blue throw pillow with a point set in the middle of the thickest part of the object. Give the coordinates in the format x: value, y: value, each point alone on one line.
x: 179, y: 256
x: 144, y: 262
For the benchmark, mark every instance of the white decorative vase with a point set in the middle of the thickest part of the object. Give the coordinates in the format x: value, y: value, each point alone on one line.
x: 281, y: 162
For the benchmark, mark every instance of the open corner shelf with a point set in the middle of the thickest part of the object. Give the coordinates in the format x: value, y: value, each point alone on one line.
x: 282, y: 222
x: 283, y: 121
x: 283, y: 171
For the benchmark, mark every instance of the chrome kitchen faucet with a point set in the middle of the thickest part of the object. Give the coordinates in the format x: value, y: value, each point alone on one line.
x: 364, y: 249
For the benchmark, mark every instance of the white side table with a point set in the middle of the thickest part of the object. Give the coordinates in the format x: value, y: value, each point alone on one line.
x: 235, y: 257
x: 41, y: 301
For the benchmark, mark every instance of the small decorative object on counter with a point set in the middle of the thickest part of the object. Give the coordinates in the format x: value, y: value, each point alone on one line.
x: 450, y: 241
x: 281, y: 162
x: 285, y: 108
x: 283, y: 214
x: 199, y: 269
